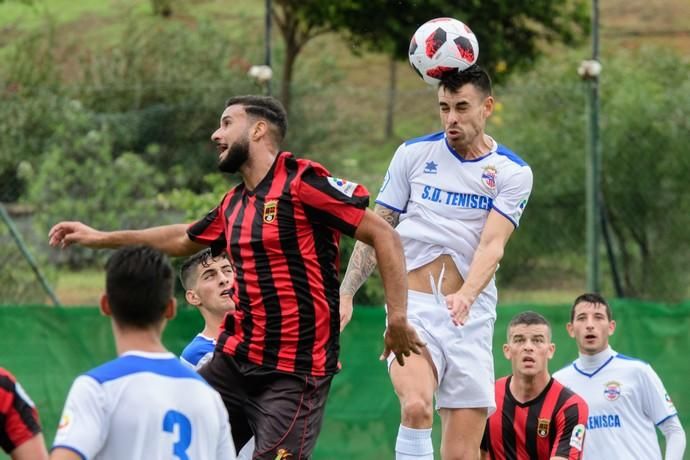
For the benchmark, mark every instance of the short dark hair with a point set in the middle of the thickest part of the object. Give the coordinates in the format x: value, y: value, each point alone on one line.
x: 203, y: 258
x: 594, y: 298
x: 473, y: 75
x: 139, y: 284
x: 266, y: 107
x: 528, y: 318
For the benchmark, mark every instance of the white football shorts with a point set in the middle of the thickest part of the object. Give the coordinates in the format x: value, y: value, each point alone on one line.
x: 461, y: 354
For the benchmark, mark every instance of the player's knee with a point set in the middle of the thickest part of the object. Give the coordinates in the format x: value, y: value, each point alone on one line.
x: 417, y: 412
x: 459, y: 451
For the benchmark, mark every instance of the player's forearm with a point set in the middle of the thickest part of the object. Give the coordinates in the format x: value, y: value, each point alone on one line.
x: 675, y: 439
x: 483, y: 267
x: 171, y: 239
x: 363, y: 259
x: 389, y: 253
x: 361, y: 265
x: 33, y: 449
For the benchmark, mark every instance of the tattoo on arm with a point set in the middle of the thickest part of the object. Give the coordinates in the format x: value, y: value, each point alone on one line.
x: 363, y: 259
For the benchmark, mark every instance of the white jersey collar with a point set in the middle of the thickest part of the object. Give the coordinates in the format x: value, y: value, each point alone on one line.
x: 591, y: 363
x: 149, y: 354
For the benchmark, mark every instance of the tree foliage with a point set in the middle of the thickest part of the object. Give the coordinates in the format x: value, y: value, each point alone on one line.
x: 80, y: 178
x: 509, y: 31
x: 644, y: 100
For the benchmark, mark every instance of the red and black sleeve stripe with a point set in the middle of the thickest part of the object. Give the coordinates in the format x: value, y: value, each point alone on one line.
x: 18, y: 419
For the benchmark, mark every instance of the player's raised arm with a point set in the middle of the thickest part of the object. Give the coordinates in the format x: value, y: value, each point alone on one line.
x: 400, y: 338
x: 494, y: 238
x: 171, y: 239
x: 360, y: 266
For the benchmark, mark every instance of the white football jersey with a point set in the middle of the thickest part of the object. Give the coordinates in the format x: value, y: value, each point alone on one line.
x: 445, y: 200
x: 626, y: 402
x: 144, y: 406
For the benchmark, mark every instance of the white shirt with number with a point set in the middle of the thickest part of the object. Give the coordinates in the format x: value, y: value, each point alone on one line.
x: 444, y: 200
x: 626, y: 400
x: 144, y: 406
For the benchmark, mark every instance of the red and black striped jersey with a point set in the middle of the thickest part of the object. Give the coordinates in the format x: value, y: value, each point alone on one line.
x: 283, y: 238
x: 18, y: 416
x: 550, y: 425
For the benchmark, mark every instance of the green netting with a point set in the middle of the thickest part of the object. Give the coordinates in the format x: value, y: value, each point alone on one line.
x: 47, y: 347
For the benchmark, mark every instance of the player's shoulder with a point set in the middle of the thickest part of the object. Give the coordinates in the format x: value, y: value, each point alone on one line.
x: 565, y: 371
x: 501, y: 381
x: 162, y: 364
x: 197, y: 349
x: 6, y: 378
x: 299, y: 166
x: 565, y: 393
x: 420, y: 141
x: 630, y: 363
x: 510, y: 157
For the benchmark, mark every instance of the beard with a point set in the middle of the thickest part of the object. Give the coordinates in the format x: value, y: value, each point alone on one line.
x: 237, y: 155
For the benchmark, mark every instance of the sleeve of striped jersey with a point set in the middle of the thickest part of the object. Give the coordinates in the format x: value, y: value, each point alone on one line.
x: 84, y: 422
x: 337, y: 203
x: 657, y: 404
x: 513, y: 194
x: 210, y: 230
x: 571, y: 421
x: 18, y: 413
x: 395, y: 189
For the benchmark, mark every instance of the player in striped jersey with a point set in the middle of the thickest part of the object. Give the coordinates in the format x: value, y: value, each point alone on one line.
x: 627, y: 400
x: 281, y: 227
x: 145, y: 404
x: 20, y: 430
x: 537, y: 418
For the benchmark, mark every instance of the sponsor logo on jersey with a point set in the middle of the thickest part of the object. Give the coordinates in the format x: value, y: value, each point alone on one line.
x: 543, y: 427
x: 65, y: 421
x: 578, y: 437
x: 603, y: 421
x: 270, y: 211
x: 669, y: 402
x: 455, y: 199
x: 430, y: 168
x: 489, y: 176
x: 612, y: 390
x: 345, y: 187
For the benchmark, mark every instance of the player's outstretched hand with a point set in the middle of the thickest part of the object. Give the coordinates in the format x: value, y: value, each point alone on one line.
x: 345, y: 310
x: 459, y: 306
x: 65, y: 234
x: 400, y: 339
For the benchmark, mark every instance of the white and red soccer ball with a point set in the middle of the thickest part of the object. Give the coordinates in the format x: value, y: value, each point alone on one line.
x: 440, y: 46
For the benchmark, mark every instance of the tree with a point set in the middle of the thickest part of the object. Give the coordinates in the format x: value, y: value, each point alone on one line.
x: 645, y: 129
x: 509, y: 31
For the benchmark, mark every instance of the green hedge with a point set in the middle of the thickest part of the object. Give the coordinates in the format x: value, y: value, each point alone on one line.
x: 47, y: 347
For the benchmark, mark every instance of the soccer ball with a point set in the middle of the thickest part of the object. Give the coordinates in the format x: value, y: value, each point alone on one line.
x: 440, y: 46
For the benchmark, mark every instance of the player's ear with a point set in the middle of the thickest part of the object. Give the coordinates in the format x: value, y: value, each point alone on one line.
x: 259, y: 130
x: 105, y: 306
x: 506, y: 351
x: 171, y: 308
x: 192, y: 297
x: 489, y: 104
x: 552, y: 349
x: 612, y: 327
x: 571, y: 330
